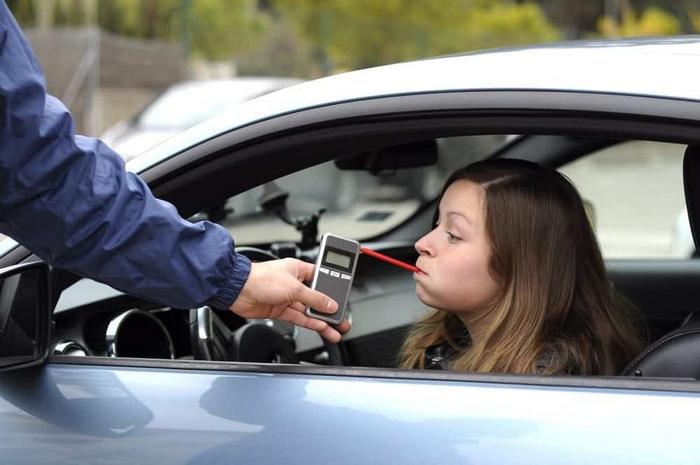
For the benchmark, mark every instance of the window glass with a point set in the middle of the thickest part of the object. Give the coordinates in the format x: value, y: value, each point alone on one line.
x: 635, y: 190
x: 357, y: 204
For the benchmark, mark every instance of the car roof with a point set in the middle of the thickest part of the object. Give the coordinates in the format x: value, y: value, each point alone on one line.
x: 657, y: 67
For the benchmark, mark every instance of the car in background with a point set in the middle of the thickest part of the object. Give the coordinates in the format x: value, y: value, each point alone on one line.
x: 185, y: 105
x: 113, y: 378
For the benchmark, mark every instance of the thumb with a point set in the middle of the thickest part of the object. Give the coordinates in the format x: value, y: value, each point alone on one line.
x: 316, y: 300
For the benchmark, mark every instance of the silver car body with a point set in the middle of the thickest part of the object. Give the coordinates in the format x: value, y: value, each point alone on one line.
x: 91, y: 410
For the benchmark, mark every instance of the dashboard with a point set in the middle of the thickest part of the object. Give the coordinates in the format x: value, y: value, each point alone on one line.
x: 96, y: 320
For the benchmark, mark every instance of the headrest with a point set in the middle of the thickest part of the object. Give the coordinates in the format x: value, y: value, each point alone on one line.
x: 691, y: 183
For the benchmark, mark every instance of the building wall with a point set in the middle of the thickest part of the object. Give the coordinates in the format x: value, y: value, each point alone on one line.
x: 104, y: 78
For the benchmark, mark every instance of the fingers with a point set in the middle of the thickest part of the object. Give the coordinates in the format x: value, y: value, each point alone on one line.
x: 321, y: 327
x: 304, y: 294
x: 294, y: 314
x: 315, y: 299
x: 334, y: 333
x: 305, y: 270
x: 343, y: 327
x: 331, y: 335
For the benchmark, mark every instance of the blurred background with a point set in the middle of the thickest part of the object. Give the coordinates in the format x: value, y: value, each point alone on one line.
x: 108, y: 59
x: 128, y: 68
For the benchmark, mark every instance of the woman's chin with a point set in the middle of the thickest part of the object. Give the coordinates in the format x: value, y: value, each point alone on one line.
x: 424, y: 297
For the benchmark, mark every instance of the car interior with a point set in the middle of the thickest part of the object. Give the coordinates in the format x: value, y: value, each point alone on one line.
x: 383, y: 194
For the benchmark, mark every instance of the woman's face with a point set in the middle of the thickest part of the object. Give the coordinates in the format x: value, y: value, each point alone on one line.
x: 454, y: 257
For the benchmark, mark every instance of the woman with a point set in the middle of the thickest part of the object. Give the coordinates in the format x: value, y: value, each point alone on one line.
x: 516, y: 280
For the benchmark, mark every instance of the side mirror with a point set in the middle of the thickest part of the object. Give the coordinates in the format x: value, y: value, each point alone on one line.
x: 25, y: 315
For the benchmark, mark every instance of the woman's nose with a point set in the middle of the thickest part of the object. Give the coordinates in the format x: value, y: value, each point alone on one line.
x: 423, y: 246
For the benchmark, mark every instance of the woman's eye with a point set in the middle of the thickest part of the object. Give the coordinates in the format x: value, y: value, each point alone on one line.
x: 451, y: 237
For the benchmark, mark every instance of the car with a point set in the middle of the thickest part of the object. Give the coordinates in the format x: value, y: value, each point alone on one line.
x: 184, y: 105
x: 111, y: 378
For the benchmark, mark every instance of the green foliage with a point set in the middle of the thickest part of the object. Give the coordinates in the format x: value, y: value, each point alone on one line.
x: 280, y: 52
x: 212, y: 29
x: 507, y: 24
x: 145, y: 19
x: 359, y: 33
x: 695, y: 20
x: 652, y: 22
x: 23, y: 10
x: 222, y: 27
x: 314, y: 37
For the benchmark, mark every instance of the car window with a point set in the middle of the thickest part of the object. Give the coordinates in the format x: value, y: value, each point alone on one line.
x: 635, y: 190
x: 357, y: 204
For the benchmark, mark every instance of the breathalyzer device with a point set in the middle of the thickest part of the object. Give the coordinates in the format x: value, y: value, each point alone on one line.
x: 335, y: 270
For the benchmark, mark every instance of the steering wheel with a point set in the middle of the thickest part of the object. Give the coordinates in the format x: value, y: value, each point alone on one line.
x: 260, y: 341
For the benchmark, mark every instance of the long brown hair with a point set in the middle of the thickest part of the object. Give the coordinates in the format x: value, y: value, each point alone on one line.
x: 556, y: 310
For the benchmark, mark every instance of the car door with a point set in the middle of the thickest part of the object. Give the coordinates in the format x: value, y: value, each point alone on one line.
x: 95, y: 411
x: 90, y: 409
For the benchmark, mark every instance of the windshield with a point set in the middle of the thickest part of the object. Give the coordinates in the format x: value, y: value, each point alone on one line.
x: 357, y: 204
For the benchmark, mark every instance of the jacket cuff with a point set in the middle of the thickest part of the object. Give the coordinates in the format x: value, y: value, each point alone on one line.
x: 224, y: 297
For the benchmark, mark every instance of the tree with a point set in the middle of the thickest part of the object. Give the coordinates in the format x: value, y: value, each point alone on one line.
x: 695, y: 20
x: 221, y: 28
x: 215, y: 29
x: 576, y: 18
x: 24, y: 11
x: 362, y: 33
x: 651, y: 22
x: 580, y: 19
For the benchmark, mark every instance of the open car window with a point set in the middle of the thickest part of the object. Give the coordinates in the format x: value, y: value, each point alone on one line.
x: 383, y: 302
x: 357, y: 204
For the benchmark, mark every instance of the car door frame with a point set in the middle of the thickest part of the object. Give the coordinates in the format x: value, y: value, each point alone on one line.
x: 314, y: 135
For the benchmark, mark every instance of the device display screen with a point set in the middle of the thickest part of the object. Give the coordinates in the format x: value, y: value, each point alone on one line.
x: 338, y: 259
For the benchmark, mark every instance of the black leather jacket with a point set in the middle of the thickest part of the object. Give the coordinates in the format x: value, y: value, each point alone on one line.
x: 439, y: 356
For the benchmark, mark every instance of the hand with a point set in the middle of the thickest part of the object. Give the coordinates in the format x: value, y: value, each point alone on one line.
x: 275, y: 289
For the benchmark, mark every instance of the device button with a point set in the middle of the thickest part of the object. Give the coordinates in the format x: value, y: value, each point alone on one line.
x: 345, y: 276
x: 335, y: 274
x: 323, y: 270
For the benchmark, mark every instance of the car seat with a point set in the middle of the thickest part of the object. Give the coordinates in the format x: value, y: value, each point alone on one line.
x: 677, y: 354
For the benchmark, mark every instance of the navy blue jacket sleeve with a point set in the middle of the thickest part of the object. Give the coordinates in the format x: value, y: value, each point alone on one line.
x: 69, y: 199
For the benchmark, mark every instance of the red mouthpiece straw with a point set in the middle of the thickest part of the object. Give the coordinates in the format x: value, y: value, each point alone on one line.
x: 393, y: 261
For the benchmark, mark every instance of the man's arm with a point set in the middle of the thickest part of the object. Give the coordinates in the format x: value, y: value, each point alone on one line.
x: 68, y: 199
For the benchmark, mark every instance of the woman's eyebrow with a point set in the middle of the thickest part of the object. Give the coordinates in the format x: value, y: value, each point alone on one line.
x: 458, y: 214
